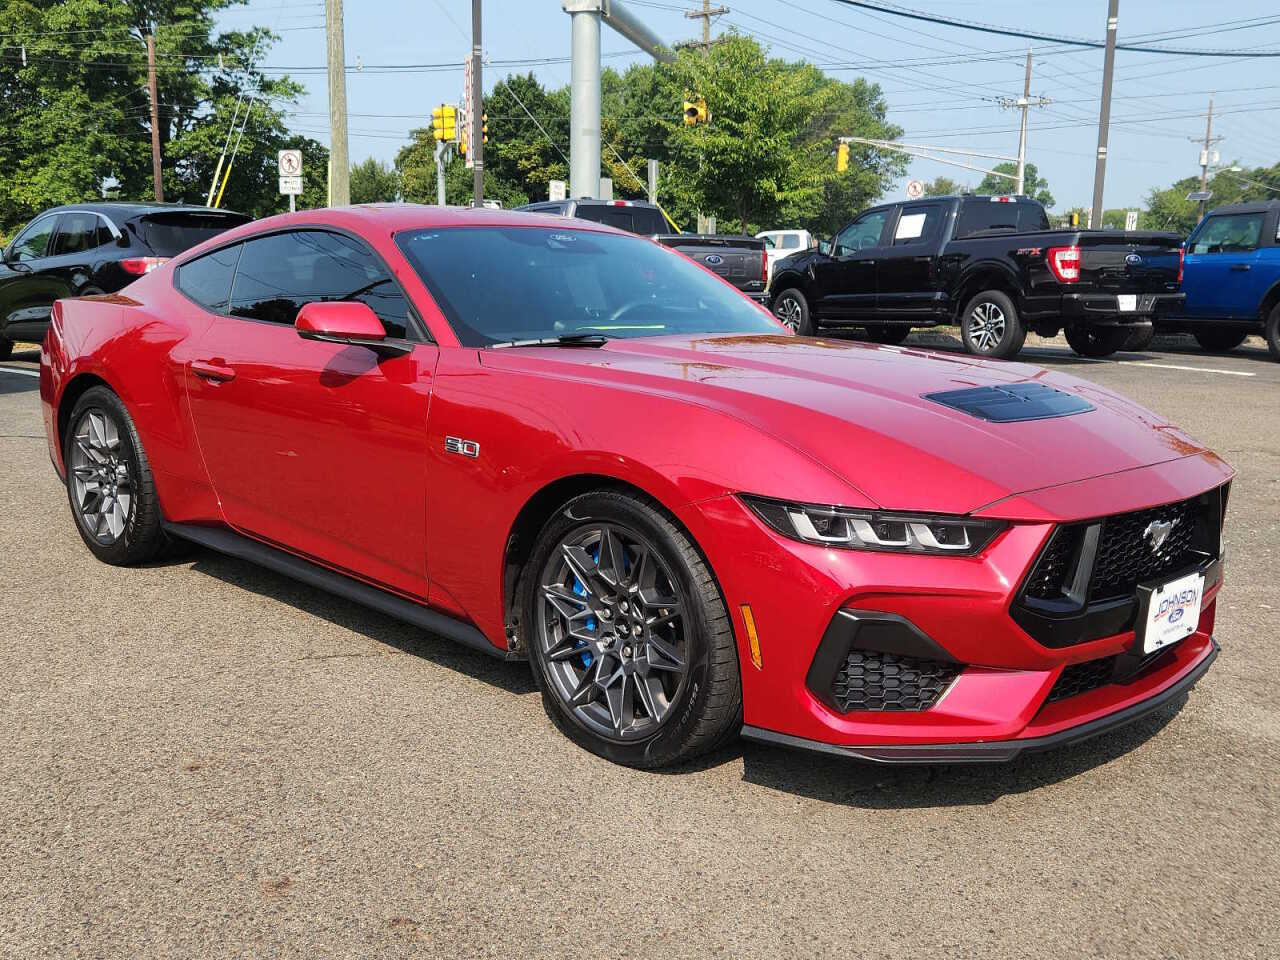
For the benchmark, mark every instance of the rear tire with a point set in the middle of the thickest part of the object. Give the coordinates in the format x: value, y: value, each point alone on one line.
x: 1141, y: 339
x: 1096, y: 342
x: 890, y: 335
x: 1271, y: 332
x: 614, y: 596
x: 1220, y: 339
x: 109, y: 484
x: 6, y: 348
x: 990, y: 327
x: 792, y: 309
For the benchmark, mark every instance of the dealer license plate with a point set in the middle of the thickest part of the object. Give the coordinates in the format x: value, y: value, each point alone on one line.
x: 1173, y: 612
x: 1128, y: 301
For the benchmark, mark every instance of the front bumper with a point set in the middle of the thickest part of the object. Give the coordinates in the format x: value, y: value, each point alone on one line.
x: 1004, y: 699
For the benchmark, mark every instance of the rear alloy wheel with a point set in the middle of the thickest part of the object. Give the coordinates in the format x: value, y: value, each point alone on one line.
x: 990, y: 326
x: 792, y: 309
x: 1096, y: 342
x: 1220, y: 339
x: 1271, y: 332
x: 628, y: 637
x: 109, y: 484
x: 890, y: 335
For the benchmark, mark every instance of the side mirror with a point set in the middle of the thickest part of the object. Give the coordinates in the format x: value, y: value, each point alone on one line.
x: 346, y: 322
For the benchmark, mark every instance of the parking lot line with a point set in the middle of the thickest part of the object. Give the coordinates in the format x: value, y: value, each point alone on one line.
x: 1174, y: 366
x: 19, y: 370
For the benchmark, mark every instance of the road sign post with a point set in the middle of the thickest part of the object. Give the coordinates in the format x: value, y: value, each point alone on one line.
x: 289, y: 166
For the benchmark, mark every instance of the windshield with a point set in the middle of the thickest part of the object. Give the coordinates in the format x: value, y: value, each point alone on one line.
x: 497, y: 284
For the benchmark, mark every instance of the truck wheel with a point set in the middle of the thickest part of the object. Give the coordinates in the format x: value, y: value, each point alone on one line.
x: 1220, y: 339
x: 1271, y: 332
x: 1141, y: 339
x: 792, y: 309
x: 1096, y: 341
x: 990, y: 326
x: 889, y: 335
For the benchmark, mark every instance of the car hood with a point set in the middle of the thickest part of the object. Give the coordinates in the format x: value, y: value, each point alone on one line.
x: 861, y: 411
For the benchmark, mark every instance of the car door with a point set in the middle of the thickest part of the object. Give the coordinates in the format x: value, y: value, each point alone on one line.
x: 906, y: 282
x: 847, y: 278
x: 318, y: 447
x: 1219, y: 276
x: 27, y: 292
x: 76, y: 248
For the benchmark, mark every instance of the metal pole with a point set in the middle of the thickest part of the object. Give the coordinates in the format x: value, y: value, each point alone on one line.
x: 1104, y: 115
x: 158, y: 183
x: 653, y: 181
x: 293, y: 207
x: 439, y: 174
x: 339, y: 160
x: 584, y: 105
x: 1020, y: 182
x: 1204, y: 160
x: 477, y: 105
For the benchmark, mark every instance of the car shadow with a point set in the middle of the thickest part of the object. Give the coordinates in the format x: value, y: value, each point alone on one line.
x: 510, y: 677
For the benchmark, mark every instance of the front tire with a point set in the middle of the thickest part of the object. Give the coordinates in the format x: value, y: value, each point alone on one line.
x: 109, y: 483
x: 791, y: 307
x: 1096, y: 342
x: 629, y: 639
x: 990, y: 327
x: 1220, y: 339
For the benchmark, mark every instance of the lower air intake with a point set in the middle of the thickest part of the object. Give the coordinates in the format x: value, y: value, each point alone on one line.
x: 869, y: 680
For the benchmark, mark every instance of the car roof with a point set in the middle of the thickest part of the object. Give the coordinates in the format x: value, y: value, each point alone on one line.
x: 125, y: 209
x: 1259, y: 206
x: 387, y: 219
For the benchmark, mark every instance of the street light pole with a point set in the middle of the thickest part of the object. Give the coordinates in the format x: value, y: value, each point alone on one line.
x: 476, y: 118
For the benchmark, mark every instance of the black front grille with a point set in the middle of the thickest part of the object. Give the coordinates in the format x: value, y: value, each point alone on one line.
x: 1081, y: 678
x: 1125, y: 555
x: 869, y: 680
x: 1052, y: 572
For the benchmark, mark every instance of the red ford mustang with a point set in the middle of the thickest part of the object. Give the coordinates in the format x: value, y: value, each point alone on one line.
x: 549, y: 440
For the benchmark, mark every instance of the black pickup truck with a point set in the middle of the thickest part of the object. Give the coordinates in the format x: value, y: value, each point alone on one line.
x: 991, y: 265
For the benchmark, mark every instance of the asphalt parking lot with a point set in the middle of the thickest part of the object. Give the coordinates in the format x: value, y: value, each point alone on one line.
x: 202, y: 759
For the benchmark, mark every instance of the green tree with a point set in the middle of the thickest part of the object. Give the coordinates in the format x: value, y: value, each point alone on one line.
x: 1169, y: 209
x: 374, y: 182
x: 1034, y: 186
x: 944, y: 187
x: 76, y: 115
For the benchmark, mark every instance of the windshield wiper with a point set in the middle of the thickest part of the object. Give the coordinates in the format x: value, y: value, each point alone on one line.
x: 565, y: 340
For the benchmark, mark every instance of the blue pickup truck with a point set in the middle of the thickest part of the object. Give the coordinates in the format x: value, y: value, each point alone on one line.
x: 1231, y: 277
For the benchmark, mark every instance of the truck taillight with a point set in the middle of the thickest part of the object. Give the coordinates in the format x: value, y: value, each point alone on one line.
x: 1065, y: 263
x: 764, y: 265
x: 1182, y: 260
x: 141, y: 265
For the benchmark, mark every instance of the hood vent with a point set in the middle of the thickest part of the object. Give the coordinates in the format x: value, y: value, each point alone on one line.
x: 1011, y: 404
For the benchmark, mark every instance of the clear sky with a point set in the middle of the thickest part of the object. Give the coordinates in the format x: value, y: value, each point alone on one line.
x: 941, y: 83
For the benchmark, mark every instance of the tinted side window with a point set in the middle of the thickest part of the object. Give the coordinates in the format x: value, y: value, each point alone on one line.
x: 862, y: 233
x: 280, y: 273
x: 917, y: 225
x: 790, y: 241
x: 34, y: 241
x: 77, y: 232
x: 1230, y: 233
x: 978, y: 216
x: 207, y: 279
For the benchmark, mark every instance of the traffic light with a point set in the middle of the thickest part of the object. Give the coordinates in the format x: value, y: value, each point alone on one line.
x: 842, y: 158
x: 484, y: 127
x: 444, y: 122
x: 695, y: 111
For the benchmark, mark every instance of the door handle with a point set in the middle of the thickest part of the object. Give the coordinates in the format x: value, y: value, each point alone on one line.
x: 1240, y: 266
x: 217, y: 373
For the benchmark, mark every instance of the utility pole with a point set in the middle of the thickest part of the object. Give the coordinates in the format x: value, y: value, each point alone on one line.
x: 339, y: 160
x: 1104, y: 115
x: 1023, y: 103
x: 1205, y: 156
x: 705, y: 15
x: 475, y: 118
x: 155, y: 118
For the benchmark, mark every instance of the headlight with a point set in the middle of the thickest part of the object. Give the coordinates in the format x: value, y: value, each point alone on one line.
x: 873, y: 529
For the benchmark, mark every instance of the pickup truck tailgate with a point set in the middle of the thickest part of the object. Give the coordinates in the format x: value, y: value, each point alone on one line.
x: 1117, y: 261
x: 740, y: 260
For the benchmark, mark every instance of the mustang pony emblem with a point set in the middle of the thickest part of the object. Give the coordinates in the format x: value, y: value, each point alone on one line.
x: 1157, y: 533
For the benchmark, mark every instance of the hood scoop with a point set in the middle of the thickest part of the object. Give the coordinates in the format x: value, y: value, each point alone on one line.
x: 1012, y: 403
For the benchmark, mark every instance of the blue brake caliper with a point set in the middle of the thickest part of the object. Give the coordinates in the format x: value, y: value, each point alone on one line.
x: 587, y: 656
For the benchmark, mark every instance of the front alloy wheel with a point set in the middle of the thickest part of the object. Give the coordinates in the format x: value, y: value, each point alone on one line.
x: 612, y: 629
